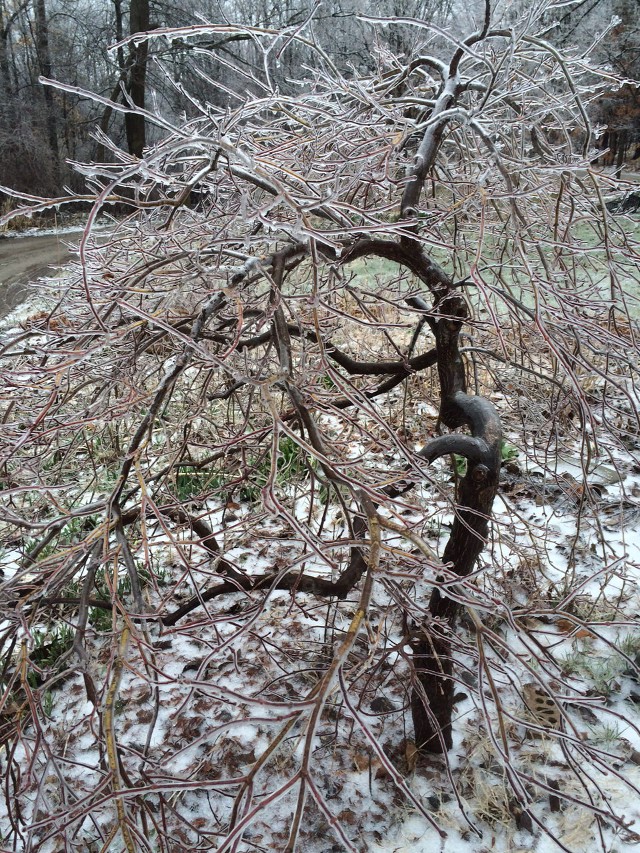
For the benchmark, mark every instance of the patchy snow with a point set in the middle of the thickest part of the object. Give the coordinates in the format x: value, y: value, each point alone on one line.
x: 228, y: 689
x: 52, y: 231
x: 211, y: 716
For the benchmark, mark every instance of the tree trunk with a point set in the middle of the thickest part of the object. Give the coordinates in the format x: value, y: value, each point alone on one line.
x: 122, y: 77
x: 432, y: 702
x: 5, y: 77
x: 44, y: 64
x: 621, y: 139
x: 432, y: 698
x: 9, y: 87
x: 136, y: 84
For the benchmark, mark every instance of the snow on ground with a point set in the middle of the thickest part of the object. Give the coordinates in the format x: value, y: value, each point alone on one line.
x: 196, y: 707
x: 193, y: 719
x: 56, y: 230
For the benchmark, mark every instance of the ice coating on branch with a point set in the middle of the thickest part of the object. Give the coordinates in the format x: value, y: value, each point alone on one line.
x: 321, y: 184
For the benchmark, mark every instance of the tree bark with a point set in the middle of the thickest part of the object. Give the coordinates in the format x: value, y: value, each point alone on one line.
x: 137, y: 78
x: 432, y: 697
x: 433, y: 693
x: 4, y: 60
x: 432, y: 700
x: 122, y: 77
x: 621, y: 142
x: 44, y: 64
x: 7, y: 19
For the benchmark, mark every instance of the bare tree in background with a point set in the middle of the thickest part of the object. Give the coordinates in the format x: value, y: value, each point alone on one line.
x: 44, y: 62
x: 137, y: 74
x: 250, y: 458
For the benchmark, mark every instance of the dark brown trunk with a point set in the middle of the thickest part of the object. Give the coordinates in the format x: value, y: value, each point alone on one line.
x: 116, y: 94
x: 433, y: 693
x: 9, y: 86
x: 5, y: 76
x: 621, y: 141
x: 432, y: 697
x: 44, y: 65
x: 136, y: 84
x: 432, y: 700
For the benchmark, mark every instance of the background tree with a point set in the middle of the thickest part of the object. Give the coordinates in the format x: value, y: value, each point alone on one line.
x: 252, y: 452
x: 78, y: 35
x: 139, y: 22
x: 614, y: 27
x: 45, y: 68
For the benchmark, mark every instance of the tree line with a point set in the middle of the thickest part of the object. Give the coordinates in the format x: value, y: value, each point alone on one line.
x: 84, y: 44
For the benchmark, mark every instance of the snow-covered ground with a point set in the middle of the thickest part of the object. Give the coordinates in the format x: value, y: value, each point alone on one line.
x: 200, y: 732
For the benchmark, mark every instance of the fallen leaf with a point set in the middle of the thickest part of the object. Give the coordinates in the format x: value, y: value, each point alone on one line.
x: 411, y: 754
x: 541, y: 705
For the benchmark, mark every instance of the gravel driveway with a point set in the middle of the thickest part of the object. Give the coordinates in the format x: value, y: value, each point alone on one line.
x: 23, y: 260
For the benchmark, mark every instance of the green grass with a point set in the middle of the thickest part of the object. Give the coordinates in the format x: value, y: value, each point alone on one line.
x: 507, y: 454
x: 100, y: 618
x: 71, y: 533
x: 629, y: 644
x: 602, y: 671
x: 49, y: 645
x: 293, y: 465
x: 191, y: 482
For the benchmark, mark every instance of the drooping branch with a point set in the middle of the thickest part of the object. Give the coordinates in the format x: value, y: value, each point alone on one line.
x: 408, y: 255
x: 235, y: 581
x: 292, y: 581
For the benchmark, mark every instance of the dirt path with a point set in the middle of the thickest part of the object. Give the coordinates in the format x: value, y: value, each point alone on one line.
x: 23, y: 260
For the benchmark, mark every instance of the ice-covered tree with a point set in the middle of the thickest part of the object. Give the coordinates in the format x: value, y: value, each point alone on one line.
x: 253, y: 457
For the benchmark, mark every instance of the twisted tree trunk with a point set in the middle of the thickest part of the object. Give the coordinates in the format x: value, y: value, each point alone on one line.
x: 432, y: 699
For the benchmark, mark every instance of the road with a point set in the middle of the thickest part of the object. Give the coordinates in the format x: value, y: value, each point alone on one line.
x: 23, y: 260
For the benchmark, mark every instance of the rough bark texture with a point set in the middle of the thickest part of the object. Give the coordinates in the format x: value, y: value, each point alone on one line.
x: 122, y: 79
x: 136, y: 84
x: 432, y: 698
x: 5, y: 77
x: 44, y: 62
